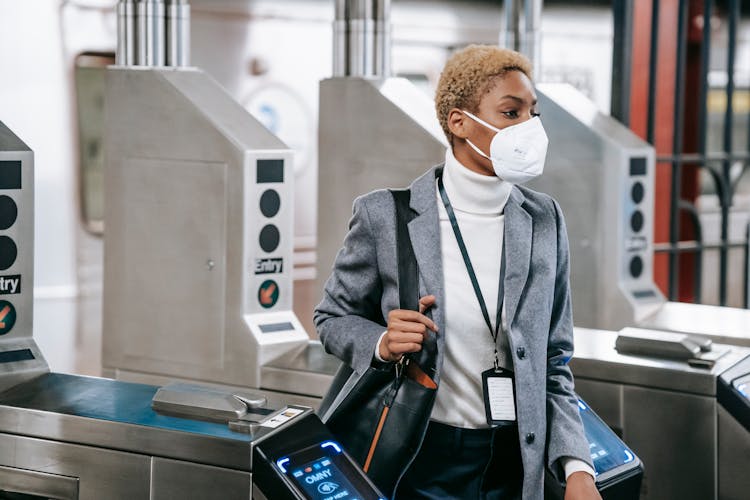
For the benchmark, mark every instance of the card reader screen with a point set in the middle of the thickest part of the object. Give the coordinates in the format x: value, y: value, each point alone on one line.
x: 607, y: 450
x: 322, y: 480
x: 324, y: 472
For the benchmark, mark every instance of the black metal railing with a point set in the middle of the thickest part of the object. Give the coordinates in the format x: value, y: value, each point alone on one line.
x: 686, y: 236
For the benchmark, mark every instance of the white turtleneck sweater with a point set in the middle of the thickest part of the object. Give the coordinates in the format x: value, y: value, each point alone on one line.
x: 478, y: 202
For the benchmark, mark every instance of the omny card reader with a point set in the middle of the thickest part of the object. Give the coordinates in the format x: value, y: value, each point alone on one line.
x: 300, y: 460
x: 618, y: 469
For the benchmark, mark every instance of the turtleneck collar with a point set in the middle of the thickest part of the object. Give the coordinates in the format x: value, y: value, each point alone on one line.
x: 472, y: 192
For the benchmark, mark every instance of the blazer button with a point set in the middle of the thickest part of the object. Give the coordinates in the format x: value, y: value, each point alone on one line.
x: 530, y: 438
x: 521, y: 352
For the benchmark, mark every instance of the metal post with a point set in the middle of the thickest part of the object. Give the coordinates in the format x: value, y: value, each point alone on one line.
x: 150, y: 39
x: 532, y: 36
x: 703, y: 97
x: 510, y: 36
x: 622, y: 60
x: 382, y: 61
x: 177, y: 48
x: 734, y: 15
x: 652, y: 68
x: 125, y: 33
x: 676, y: 191
x: 361, y: 37
x: 340, y: 37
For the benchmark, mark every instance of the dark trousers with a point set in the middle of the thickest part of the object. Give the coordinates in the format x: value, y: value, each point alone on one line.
x: 468, y: 464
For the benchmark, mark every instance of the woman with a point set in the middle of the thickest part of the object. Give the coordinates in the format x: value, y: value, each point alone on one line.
x: 493, y: 272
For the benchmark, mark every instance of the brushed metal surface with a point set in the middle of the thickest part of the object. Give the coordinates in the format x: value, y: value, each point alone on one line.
x: 20, y: 336
x: 674, y: 434
x: 176, y: 328
x: 32, y: 482
x: 667, y: 412
x: 372, y: 134
x: 182, y: 295
x: 117, y: 415
x: 176, y: 479
x: 726, y: 325
x: 204, y: 402
x: 588, y: 172
x: 596, y: 359
x: 309, y: 373
x: 734, y: 457
x: 101, y: 473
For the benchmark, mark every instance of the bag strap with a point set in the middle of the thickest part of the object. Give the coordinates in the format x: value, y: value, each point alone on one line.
x: 408, y: 282
x: 408, y: 290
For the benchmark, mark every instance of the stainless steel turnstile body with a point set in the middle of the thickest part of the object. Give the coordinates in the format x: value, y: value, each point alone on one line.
x: 20, y: 357
x: 692, y: 447
x: 73, y: 438
x: 199, y: 233
x: 602, y: 175
x: 372, y: 134
x: 83, y: 438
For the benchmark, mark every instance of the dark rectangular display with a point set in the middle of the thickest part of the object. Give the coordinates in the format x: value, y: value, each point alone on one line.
x: 638, y: 166
x: 10, y: 174
x: 276, y: 327
x: 322, y: 480
x: 644, y: 294
x: 270, y: 171
x: 324, y: 472
x: 13, y: 356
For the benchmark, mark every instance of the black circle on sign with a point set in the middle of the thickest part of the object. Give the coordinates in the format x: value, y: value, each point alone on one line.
x: 636, y: 266
x: 637, y: 192
x: 269, y: 238
x: 636, y: 221
x: 270, y: 203
x: 8, y: 252
x: 8, y: 211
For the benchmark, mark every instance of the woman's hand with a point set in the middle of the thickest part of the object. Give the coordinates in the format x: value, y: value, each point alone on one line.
x: 406, y: 330
x: 581, y: 486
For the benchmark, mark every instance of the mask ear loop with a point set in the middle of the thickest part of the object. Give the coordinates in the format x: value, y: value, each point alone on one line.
x: 479, y: 151
x: 481, y: 122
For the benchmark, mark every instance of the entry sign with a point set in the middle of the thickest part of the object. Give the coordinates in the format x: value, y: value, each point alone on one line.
x: 7, y: 316
x: 268, y: 293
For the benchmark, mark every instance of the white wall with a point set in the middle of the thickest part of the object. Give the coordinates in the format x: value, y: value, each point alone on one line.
x: 35, y: 104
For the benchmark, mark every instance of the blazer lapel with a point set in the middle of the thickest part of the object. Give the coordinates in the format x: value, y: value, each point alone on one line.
x: 424, y: 231
x: 517, y: 241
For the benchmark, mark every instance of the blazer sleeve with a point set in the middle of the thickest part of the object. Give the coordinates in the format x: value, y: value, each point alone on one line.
x: 565, y: 430
x: 349, y: 319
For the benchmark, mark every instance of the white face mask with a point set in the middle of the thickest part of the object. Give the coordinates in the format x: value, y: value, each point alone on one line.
x: 517, y: 152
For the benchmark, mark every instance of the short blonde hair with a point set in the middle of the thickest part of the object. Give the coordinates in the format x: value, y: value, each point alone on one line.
x: 469, y: 73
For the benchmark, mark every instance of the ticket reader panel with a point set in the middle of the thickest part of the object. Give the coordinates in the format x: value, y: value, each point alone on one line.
x: 20, y: 357
x: 305, y: 462
x: 618, y: 470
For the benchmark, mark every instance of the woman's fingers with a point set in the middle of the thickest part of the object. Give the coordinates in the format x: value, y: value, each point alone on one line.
x: 426, y: 302
x: 407, y: 330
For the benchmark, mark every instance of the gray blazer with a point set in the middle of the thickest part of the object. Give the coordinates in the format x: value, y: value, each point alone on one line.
x: 363, y: 288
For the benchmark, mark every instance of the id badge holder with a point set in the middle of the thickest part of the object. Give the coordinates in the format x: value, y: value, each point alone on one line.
x: 499, y: 390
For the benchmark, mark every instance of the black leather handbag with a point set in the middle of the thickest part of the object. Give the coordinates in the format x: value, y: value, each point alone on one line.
x: 382, y: 420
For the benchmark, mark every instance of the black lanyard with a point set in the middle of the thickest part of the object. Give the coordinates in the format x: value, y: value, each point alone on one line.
x: 472, y: 275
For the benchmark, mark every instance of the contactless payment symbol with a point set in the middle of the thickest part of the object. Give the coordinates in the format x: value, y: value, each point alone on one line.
x: 7, y: 316
x: 268, y: 293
